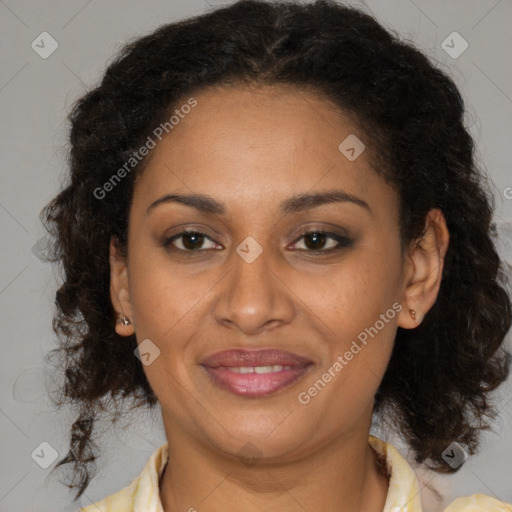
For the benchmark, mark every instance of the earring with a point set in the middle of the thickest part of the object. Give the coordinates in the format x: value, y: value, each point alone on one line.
x: 412, y: 313
x: 123, y: 321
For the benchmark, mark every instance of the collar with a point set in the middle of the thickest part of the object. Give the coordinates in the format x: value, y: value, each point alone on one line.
x: 143, y: 494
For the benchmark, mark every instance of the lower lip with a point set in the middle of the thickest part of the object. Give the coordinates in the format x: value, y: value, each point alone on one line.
x: 255, y: 384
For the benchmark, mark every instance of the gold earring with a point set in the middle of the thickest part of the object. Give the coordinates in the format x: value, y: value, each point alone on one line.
x: 123, y: 321
x: 412, y: 313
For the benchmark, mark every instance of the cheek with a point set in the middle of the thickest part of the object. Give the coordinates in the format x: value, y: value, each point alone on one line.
x: 358, y: 309
x: 354, y: 296
x: 346, y: 385
x: 161, y: 296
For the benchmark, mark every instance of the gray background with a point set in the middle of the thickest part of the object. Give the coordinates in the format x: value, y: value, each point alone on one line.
x: 36, y: 94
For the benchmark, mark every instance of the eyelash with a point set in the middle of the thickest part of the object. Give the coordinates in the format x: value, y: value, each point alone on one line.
x: 342, y: 241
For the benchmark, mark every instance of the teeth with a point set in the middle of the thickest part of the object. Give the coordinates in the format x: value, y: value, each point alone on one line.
x: 268, y: 369
x: 258, y: 369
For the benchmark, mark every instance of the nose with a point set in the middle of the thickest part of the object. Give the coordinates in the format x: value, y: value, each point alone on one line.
x: 254, y: 296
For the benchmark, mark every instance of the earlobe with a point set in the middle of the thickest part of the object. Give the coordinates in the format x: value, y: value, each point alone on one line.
x: 426, y: 262
x: 119, y: 291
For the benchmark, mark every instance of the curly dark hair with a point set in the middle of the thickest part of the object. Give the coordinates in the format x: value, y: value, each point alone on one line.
x: 436, y: 388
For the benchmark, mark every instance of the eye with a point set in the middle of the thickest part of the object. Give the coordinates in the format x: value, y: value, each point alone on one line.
x: 315, y: 240
x: 192, y: 241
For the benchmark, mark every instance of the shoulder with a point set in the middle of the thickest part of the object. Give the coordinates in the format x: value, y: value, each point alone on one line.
x: 143, y: 494
x: 478, y: 503
x: 404, y: 486
x: 121, y: 501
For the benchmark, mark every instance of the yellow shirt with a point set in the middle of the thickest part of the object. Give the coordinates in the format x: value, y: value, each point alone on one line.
x: 143, y: 494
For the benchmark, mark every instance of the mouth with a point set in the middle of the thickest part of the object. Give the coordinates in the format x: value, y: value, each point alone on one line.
x: 255, y: 373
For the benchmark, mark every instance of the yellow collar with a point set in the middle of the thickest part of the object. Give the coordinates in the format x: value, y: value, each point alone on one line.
x: 143, y: 494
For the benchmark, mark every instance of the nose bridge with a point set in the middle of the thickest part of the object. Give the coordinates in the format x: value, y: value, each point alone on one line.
x: 253, y: 296
x: 251, y: 267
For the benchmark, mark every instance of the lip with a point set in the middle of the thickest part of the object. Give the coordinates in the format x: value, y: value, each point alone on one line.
x: 223, y: 368
x: 254, y: 357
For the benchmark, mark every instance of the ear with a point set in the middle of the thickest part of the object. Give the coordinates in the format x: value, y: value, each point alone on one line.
x: 119, y: 290
x: 425, y: 262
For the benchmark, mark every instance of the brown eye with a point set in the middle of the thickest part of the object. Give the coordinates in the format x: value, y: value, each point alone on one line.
x: 191, y: 241
x: 315, y: 241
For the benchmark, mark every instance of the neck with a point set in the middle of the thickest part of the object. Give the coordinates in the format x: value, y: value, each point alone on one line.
x: 343, y: 476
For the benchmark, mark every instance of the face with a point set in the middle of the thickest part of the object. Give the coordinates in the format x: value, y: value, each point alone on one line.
x: 254, y: 316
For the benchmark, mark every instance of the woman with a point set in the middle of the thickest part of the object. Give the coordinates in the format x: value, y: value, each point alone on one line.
x: 275, y: 229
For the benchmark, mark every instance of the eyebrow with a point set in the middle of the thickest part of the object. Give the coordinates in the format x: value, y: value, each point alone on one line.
x: 298, y: 203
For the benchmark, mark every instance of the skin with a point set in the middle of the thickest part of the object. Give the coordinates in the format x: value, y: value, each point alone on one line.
x: 251, y: 148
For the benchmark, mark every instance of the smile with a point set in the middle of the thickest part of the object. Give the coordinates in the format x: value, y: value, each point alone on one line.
x: 258, y: 369
x: 255, y: 373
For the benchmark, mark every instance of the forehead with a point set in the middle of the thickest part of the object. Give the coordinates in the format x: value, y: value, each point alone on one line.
x: 254, y: 144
